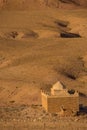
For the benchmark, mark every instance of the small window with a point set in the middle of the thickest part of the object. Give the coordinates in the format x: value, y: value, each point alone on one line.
x: 72, y: 91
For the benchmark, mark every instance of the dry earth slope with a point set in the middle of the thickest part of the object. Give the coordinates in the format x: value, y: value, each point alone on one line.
x: 37, y: 48
x: 27, y: 4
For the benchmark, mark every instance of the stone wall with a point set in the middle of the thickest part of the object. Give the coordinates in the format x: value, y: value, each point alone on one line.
x: 44, y: 101
x: 54, y: 104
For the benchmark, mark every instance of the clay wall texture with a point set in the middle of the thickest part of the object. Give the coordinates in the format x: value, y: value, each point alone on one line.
x: 54, y: 104
x: 44, y: 101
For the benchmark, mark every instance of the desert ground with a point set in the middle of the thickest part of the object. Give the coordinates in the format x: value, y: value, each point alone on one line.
x: 39, y: 47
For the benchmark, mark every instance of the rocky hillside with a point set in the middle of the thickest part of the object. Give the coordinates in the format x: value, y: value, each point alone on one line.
x: 27, y: 4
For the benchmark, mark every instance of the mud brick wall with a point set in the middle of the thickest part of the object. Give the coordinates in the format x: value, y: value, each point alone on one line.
x: 44, y: 101
x: 55, y: 104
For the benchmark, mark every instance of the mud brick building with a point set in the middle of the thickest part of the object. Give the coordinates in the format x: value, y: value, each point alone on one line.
x: 60, y: 100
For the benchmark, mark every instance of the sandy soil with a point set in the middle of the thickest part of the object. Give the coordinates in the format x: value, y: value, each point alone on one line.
x: 34, y: 117
x: 38, y: 48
